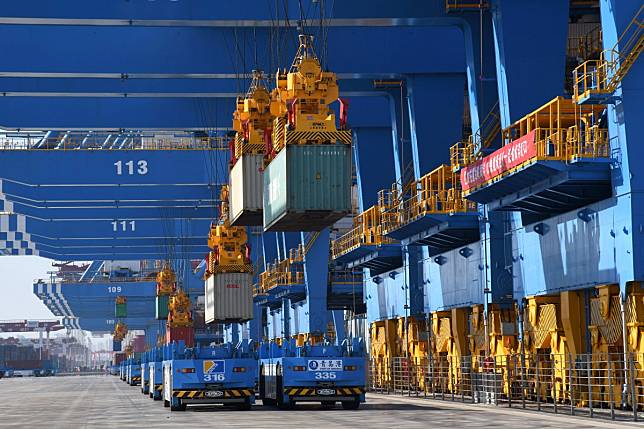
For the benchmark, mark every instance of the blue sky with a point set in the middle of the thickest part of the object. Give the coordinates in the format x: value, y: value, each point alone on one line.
x: 17, y: 300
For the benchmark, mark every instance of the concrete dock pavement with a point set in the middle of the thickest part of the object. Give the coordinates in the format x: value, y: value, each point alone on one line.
x: 107, y: 402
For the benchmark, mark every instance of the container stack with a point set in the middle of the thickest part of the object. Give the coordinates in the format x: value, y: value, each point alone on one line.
x: 118, y: 358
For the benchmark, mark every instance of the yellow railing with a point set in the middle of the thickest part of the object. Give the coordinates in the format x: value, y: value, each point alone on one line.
x: 572, y: 143
x: 463, y: 154
x: 367, y: 231
x: 389, y: 200
x: 271, y: 279
x: 468, y: 151
x: 566, y: 145
x: 284, y: 272
x: 437, y: 192
x: 559, y: 113
x: 601, y: 77
x: 451, y: 5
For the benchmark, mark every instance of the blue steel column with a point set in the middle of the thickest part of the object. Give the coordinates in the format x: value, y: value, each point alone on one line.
x: 370, y: 119
x: 480, y: 65
x: 526, y: 79
x: 255, y: 325
x: 435, y: 106
x: 436, y: 116
x: 375, y: 158
x: 400, y: 130
x: 629, y: 245
x: 338, y: 323
x: 316, y: 271
x: 269, y: 248
x: 628, y: 109
x: 531, y: 39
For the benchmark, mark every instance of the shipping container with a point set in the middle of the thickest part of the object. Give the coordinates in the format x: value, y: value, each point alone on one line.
x: 162, y: 307
x: 229, y: 297
x: 307, y: 187
x: 120, y: 310
x: 28, y: 364
x: 138, y: 344
x: 185, y: 334
x: 246, y: 190
x: 118, y: 358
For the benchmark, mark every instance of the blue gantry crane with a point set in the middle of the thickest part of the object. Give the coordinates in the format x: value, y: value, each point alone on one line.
x: 464, y: 259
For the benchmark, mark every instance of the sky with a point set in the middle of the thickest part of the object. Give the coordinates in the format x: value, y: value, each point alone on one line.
x: 17, y: 275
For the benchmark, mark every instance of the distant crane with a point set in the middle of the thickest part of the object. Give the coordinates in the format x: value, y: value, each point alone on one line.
x: 39, y: 326
x: 30, y: 326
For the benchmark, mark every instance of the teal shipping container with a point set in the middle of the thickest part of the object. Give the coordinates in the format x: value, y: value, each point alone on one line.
x: 162, y: 307
x: 120, y: 310
x: 307, y: 187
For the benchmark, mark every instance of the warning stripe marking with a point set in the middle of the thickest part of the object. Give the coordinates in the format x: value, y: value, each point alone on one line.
x: 294, y: 137
x: 306, y: 391
x: 199, y: 394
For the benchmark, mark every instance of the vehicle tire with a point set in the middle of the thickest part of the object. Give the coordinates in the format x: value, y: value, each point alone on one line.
x: 262, y: 383
x: 180, y: 407
x: 289, y: 406
x: 279, y: 392
x: 268, y: 402
x: 328, y: 405
x: 166, y: 403
x: 246, y: 406
x: 351, y: 405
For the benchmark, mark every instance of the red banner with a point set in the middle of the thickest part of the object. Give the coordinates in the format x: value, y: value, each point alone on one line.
x: 509, y: 156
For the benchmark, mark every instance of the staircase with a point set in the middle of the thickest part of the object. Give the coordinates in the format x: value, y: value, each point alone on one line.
x: 595, y: 81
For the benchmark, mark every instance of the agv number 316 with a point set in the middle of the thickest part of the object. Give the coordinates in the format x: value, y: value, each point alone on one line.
x: 214, y: 377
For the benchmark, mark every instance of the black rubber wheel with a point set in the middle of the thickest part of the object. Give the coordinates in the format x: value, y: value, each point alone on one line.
x: 328, y: 405
x: 166, y: 403
x: 351, y: 405
x: 246, y: 406
x: 262, y: 383
x: 289, y: 406
x: 280, y: 393
x: 180, y: 407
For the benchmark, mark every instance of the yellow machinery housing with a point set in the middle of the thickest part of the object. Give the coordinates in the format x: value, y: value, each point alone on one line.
x: 229, y: 244
x: 302, y: 115
x: 253, y: 118
x: 180, y: 314
x: 120, y: 331
x: 166, y: 281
